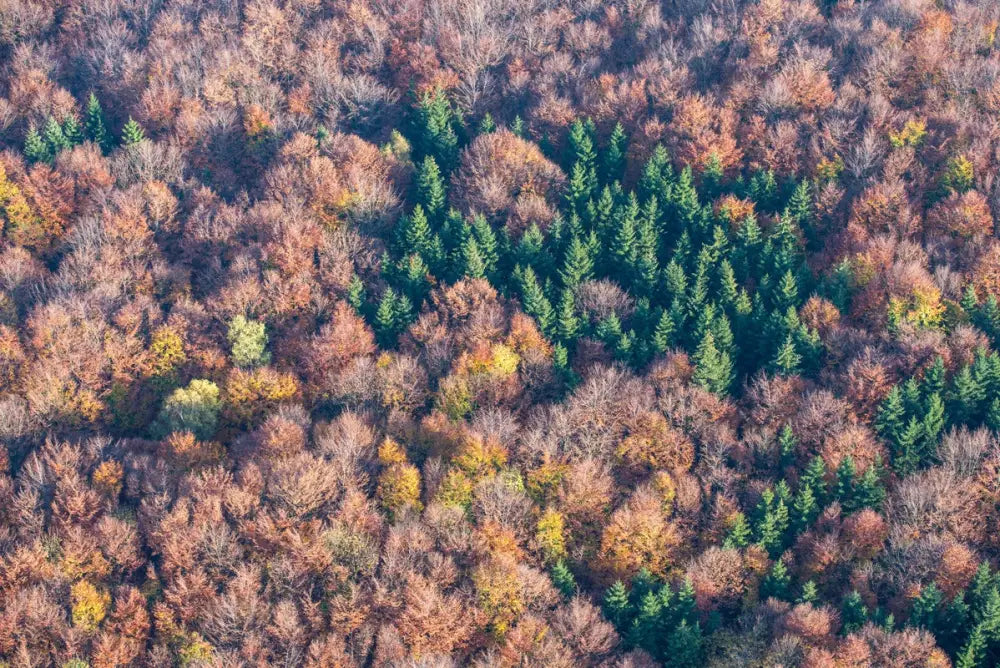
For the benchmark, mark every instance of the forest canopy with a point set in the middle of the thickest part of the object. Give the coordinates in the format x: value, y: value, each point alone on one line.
x: 499, y: 333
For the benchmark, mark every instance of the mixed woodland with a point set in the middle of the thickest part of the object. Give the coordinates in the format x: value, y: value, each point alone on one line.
x: 433, y: 333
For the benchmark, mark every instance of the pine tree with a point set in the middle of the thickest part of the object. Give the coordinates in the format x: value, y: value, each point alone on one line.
x: 93, y: 124
x: 646, y: 630
x: 810, y: 594
x: 414, y: 235
x: 486, y: 240
x: 132, y: 133
x: 578, y: 264
x: 386, y: 318
x: 72, y: 131
x: 684, y: 645
x: 436, y: 130
x: 906, y: 456
x: 711, y: 176
x: 517, y: 127
x: 614, y: 154
x: 805, y: 509
x: 713, y: 369
x: 932, y: 426
x: 869, y: 492
x: 739, y: 533
x: 853, y: 613
x: 617, y: 607
x: 487, y: 125
x: 968, y: 397
x: 54, y: 137
x: 663, y: 334
x: 535, y: 303
x: 889, y: 421
x: 846, y: 472
x: 356, y: 293
x: 925, y: 609
x: 623, y: 245
x: 563, y: 579
x: 430, y: 188
x: 35, y: 148
x: 973, y: 653
x: 787, y: 361
x: 472, y: 260
x: 567, y: 322
x: 777, y: 583
x: 814, y: 477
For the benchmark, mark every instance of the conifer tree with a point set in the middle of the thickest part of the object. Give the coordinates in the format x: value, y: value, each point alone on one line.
x: 413, y: 234
x: 973, y: 652
x: 684, y: 645
x: 132, y: 133
x: 711, y: 176
x: 35, y: 148
x: 787, y: 361
x: 578, y: 264
x: 356, y: 293
x: 925, y: 609
x: 713, y: 369
x: 932, y: 426
x: 846, y: 473
x: 93, y: 123
x: 623, y: 244
x: 889, y: 423
x: 804, y: 508
x: 486, y: 241
x: 777, y: 583
x: 563, y: 579
x: 853, y: 613
x: 646, y: 630
x: 739, y: 533
x: 617, y: 606
x: 436, y: 130
x: 869, y: 492
x: 535, y: 303
x: 54, y: 137
x: 72, y: 131
x: 430, y: 188
x: 810, y: 594
x: 906, y: 456
x: 814, y: 477
x: 517, y: 126
x: 614, y: 154
x: 772, y: 523
x: 567, y: 322
x: 967, y: 397
x: 487, y: 125
x: 582, y: 153
x: 472, y: 260
x: 663, y: 334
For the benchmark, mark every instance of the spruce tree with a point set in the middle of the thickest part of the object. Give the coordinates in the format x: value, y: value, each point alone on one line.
x: 356, y: 293
x: 853, y: 613
x: 567, y: 322
x: 646, y: 630
x: 54, y: 137
x: 386, y: 318
x: 132, y: 133
x: 713, y: 369
x: 846, y: 472
x: 487, y: 125
x: 436, y: 130
x: 72, y: 131
x: 535, y: 303
x: 869, y: 492
x: 739, y: 533
x: 472, y: 260
x: 805, y: 509
x: 663, y: 334
x: 787, y: 360
x: 486, y: 240
x: 777, y: 583
x: 430, y: 188
x: 617, y: 607
x: 907, y: 453
x: 810, y: 594
x: 814, y: 477
x: 578, y: 264
x: 563, y: 579
x: 35, y: 148
x: 932, y: 426
x: 93, y: 124
x: 889, y: 422
x: 684, y: 645
x: 614, y: 154
x: 925, y: 609
x: 973, y: 652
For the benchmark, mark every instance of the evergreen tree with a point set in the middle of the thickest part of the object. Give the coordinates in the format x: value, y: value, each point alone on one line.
x: 787, y: 444
x: 846, y: 472
x: 430, y: 188
x: 973, y: 653
x: 684, y: 645
x: 487, y: 125
x: 567, y: 322
x: 869, y: 492
x: 906, y: 456
x: 535, y: 303
x: 853, y: 613
x: 777, y: 583
x: 925, y: 609
x: 623, y: 245
x: 132, y: 133
x: 72, y: 131
x: 933, y: 381
x: 472, y: 260
x: 54, y: 137
x: 739, y: 533
x: 517, y: 127
x: 414, y: 234
x: 663, y: 334
x: 713, y: 369
x: 436, y: 130
x: 810, y: 594
x: 614, y: 154
x: 814, y: 477
x: 582, y: 153
x: 711, y: 176
x: 93, y: 123
x: 391, y: 317
x: 35, y: 148
x: 563, y: 579
x: 932, y: 426
x: 486, y: 241
x: 787, y: 361
x: 772, y: 523
x: 968, y: 397
x: 578, y: 264
x: 646, y: 630
x: 889, y: 423
x: 805, y: 509
x: 356, y: 293
x: 617, y: 607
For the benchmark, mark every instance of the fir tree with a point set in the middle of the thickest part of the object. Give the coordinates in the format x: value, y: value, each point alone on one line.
x: 356, y: 293
x: 93, y: 124
x: 853, y: 613
x: 430, y: 188
x: 787, y: 361
x: 54, y: 137
x: 973, y: 653
x: 35, y: 148
x: 846, y: 472
x: 563, y: 579
x: 711, y: 176
x: 713, y: 369
x: 810, y: 594
x: 906, y: 455
x: 535, y: 303
x: 739, y: 533
x: 646, y: 630
x: 436, y: 130
x: 132, y: 133
x: 386, y: 318
x: 614, y: 154
x: 889, y: 423
x: 578, y: 264
x: 932, y: 426
x: 486, y: 240
x: 967, y: 397
x: 567, y: 322
x: 663, y: 334
x: 777, y: 583
x: 814, y: 477
x: 472, y: 260
x: 487, y: 125
x: 925, y: 609
x: 805, y: 509
x: 517, y: 127
x: 869, y: 492
x: 617, y: 607
x: 414, y: 235
x: 684, y: 645
x: 72, y: 131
